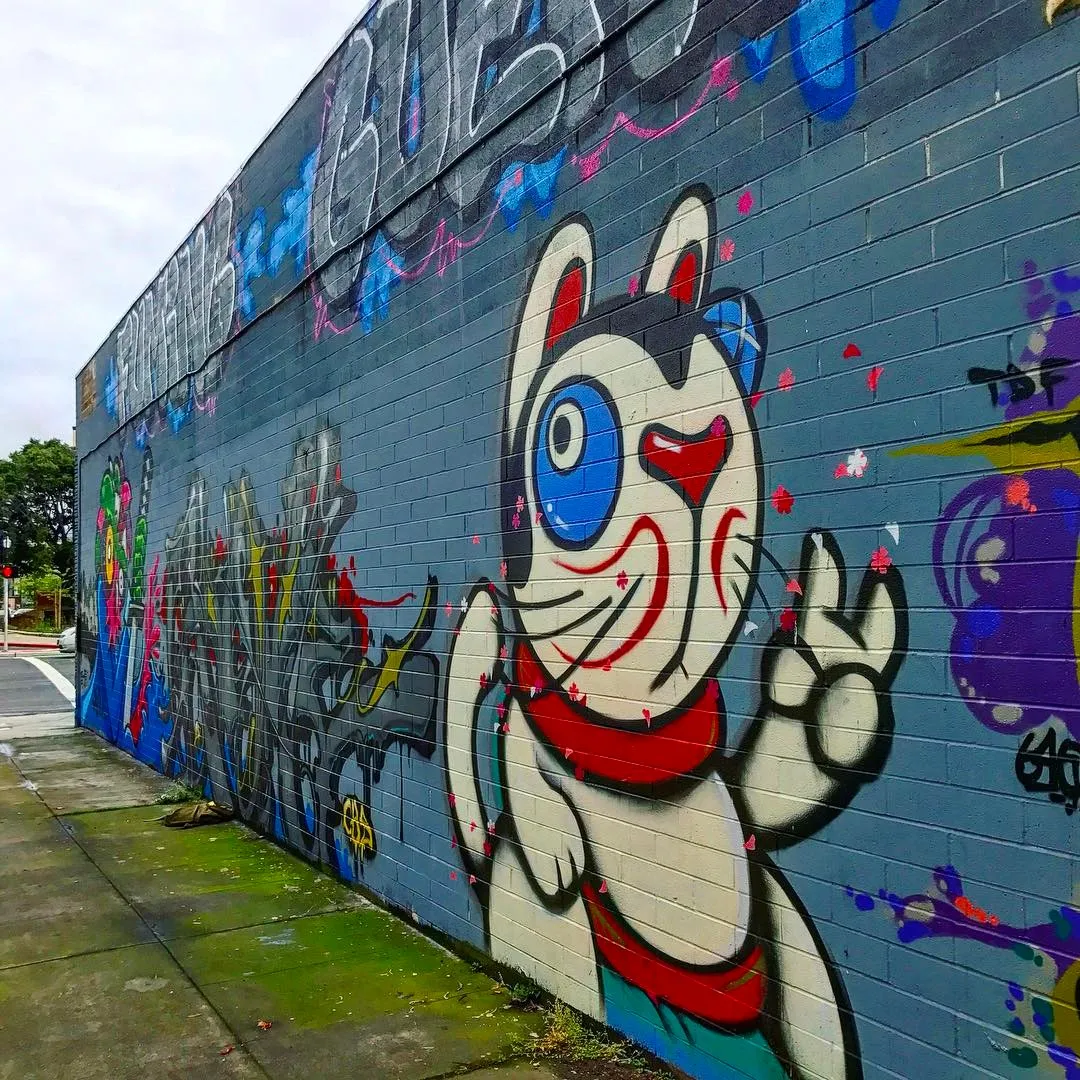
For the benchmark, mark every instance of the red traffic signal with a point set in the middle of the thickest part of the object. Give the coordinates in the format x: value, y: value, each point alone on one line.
x: 8, y: 572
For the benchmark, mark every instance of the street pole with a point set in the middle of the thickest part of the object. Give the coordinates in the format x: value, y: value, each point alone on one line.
x: 5, y: 543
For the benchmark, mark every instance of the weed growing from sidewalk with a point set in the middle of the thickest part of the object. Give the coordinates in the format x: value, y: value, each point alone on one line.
x: 177, y: 793
x: 570, y: 1037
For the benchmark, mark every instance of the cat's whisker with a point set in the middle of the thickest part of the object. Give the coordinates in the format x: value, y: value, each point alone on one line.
x: 757, y: 585
x: 759, y: 545
x: 537, y: 605
x: 574, y: 624
x: 600, y: 634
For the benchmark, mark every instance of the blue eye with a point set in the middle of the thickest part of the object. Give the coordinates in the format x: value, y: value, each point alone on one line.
x: 577, y: 462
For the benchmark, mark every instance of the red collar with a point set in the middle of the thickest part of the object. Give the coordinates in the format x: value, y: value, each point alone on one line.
x: 671, y: 750
x: 731, y: 994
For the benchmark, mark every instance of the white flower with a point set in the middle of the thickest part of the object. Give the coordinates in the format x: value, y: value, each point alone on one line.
x: 856, y: 463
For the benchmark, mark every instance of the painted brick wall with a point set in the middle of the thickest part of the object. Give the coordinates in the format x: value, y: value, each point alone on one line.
x: 604, y: 478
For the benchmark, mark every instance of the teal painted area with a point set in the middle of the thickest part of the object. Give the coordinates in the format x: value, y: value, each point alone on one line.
x: 699, y: 1050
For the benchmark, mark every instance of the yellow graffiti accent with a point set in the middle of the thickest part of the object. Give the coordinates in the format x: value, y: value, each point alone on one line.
x: 1004, y: 450
x: 357, y: 828
x: 1066, y: 1020
x: 396, y: 654
x: 252, y: 530
x: 1076, y: 615
x: 285, y: 600
x: 1054, y: 6
x: 110, y: 562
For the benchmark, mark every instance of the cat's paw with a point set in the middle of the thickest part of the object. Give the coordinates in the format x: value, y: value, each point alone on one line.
x: 557, y: 871
x: 834, y: 666
x: 553, y: 844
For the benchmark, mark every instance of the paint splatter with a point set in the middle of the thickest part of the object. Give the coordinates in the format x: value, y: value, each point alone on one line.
x: 880, y: 560
x: 746, y: 203
x: 782, y: 500
x: 727, y: 249
x: 873, y: 377
x: 786, y: 379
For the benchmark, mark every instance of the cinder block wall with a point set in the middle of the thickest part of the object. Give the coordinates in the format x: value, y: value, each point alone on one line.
x: 604, y: 478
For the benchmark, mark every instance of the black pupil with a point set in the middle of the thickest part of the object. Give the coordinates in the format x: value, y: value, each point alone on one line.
x: 560, y: 434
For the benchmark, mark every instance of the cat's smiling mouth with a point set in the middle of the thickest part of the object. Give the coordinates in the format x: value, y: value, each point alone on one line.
x: 643, y: 524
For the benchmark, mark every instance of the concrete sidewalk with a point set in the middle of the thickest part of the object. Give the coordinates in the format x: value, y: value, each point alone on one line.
x: 131, y: 950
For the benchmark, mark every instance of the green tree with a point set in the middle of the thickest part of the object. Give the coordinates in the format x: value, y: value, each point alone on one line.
x: 37, y: 507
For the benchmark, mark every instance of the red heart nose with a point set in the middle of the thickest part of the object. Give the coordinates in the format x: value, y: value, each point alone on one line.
x: 687, y: 463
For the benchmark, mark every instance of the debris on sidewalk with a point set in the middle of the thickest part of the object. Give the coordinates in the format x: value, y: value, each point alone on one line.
x: 203, y: 812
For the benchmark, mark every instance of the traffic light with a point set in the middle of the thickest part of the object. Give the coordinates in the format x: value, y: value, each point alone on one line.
x: 7, y: 571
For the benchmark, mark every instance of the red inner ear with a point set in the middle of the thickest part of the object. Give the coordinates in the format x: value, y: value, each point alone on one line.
x: 683, y: 282
x: 567, y: 307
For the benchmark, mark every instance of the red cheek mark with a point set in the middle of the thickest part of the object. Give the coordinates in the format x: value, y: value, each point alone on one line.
x: 717, y: 554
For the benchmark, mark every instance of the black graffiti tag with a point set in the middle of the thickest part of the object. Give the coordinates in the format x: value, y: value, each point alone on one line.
x: 1016, y: 384
x: 1050, y: 767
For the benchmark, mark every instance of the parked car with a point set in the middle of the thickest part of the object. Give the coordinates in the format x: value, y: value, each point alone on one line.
x: 66, y: 641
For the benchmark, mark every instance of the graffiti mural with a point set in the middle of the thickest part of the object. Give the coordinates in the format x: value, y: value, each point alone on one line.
x: 585, y: 702
x: 180, y: 321
x: 360, y: 182
x: 1005, y: 549
x: 281, y: 701
x: 125, y: 698
x: 498, y: 499
x: 437, y: 121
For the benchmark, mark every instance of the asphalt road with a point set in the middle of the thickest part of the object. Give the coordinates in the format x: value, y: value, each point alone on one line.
x: 32, y: 704
x: 64, y: 664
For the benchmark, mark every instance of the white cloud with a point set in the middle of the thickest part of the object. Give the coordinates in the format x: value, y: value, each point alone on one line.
x: 120, y: 124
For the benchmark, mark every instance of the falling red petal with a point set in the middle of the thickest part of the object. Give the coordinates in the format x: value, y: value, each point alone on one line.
x: 782, y: 500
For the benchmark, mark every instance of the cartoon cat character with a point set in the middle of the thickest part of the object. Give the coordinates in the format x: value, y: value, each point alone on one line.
x: 601, y: 820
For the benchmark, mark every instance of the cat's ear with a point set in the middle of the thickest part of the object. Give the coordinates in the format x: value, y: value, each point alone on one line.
x: 741, y: 331
x: 681, y: 257
x: 558, y: 297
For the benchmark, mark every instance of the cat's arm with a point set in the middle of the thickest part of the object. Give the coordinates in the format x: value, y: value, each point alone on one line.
x: 472, y: 666
x: 825, y: 724
x: 543, y: 822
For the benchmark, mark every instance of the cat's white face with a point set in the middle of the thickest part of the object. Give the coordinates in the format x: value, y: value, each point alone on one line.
x: 633, y: 439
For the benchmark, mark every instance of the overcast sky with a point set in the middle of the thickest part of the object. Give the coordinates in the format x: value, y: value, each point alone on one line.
x: 119, y: 124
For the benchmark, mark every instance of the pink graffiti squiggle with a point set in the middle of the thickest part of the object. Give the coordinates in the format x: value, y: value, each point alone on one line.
x: 446, y: 246
x: 322, y: 317
x: 589, y: 164
x: 444, y: 250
